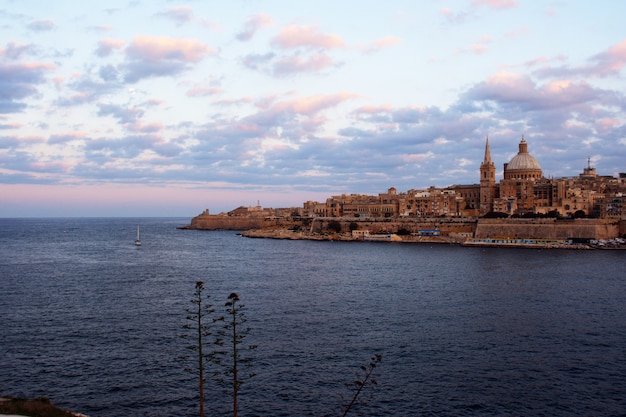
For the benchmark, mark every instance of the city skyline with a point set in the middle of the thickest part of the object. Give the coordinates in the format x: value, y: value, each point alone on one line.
x: 166, y: 108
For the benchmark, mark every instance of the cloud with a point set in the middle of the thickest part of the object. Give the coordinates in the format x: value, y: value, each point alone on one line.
x: 8, y: 142
x: 517, y: 33
x: 160, y: 56
x: 60, y: 139
x: 180, y: 14
x: 258, y: 62
x: 165, y: 48
x: 313, y: 104
x: 41, y: 25
x: 10, y: 126
x: 281, y: 66
x: 294, y: 36
x: 307, y: 52
x: 15, y: 50
x: 604, y: 64
x: 203, y: 90
x: 124, y: 114
x: 19, y: 81
x: 380, y: 44
x: 452, y: 17
x: 520, y: 91
x: 106, y: 46
x: 88, y: 87
x: 298, y: 63
x: 461, y: 17
x: 253, y: 24
x: 609, y: 62
x: 497, y: 4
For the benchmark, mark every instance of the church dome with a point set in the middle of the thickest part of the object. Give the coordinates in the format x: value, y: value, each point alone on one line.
x: 524, y: 162
x: 523, y: 165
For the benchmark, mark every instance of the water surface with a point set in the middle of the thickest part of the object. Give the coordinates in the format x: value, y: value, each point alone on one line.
x: 93, y: 322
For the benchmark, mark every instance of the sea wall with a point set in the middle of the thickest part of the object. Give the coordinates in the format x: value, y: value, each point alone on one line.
x: 547, y: 229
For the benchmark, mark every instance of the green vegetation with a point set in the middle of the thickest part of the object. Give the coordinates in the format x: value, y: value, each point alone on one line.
x: 334, y: 225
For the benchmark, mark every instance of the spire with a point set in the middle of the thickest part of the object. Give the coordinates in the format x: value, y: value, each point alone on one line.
x: 487, y: 152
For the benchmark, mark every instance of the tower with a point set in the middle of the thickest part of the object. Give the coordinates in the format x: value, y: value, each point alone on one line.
x: 487, y: 182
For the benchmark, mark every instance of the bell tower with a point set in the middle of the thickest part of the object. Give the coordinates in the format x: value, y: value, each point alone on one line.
x: 487, y: 182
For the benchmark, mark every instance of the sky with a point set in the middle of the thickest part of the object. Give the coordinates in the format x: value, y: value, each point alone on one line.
x: 168, y: 108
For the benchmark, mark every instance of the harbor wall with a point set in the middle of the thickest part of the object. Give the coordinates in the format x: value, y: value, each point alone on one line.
x: 597, y: 229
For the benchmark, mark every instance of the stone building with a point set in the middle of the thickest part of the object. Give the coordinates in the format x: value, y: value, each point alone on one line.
x: 522, y: 191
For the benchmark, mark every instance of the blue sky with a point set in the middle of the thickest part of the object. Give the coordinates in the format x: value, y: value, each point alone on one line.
x: 165, y: 108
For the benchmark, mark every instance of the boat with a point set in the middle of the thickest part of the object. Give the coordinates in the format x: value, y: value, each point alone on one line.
x: 137, y: 240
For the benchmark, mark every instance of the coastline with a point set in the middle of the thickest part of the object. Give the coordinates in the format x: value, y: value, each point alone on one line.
x: 543, y: 233
x: 287, y: 234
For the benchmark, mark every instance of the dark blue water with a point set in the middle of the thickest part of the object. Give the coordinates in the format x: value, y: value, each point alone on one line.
x: 93, y: 322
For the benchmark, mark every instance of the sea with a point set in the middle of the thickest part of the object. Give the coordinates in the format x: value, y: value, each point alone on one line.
x: 95, y: 324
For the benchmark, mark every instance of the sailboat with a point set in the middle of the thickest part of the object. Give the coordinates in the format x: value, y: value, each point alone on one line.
x: 137, y: 240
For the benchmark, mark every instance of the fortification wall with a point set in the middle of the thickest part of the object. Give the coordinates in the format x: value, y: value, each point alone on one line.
x: 547, y: 229
x: 480, y: 229
x: 217, y: 222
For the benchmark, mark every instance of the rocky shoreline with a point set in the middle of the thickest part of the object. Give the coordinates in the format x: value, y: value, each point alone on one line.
x: 287, y: 234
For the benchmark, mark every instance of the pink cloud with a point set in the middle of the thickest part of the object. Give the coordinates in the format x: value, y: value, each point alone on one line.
x: 201, y: 90
x: 374, y: 109
x: 294, y: 36
x: 296, y: 117
x: 606, y: 125
x: 517, y: 33
x: 497, y: 4
x: 161, y: 56
x: 253, y: 24
x: 166, y: 48
x: 383, y: 43
x: 512, y: 89
x: 10, y: 125
x: 446, y: 12
x: 139, y: 127
x: 611, y: 61
x: 231, y: 102
x: 478, y: 49
x: 106, y: 46
x: 605, y: 64
x: 297, y: 63
x: 314, y: 104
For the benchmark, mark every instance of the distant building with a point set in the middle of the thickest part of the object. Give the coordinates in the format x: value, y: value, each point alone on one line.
x: 523, y: 191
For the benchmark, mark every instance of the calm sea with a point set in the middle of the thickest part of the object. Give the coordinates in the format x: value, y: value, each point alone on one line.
x: 93, y: 322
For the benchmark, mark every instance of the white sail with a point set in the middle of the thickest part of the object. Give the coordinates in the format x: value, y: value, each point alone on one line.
x: 137, y: 240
